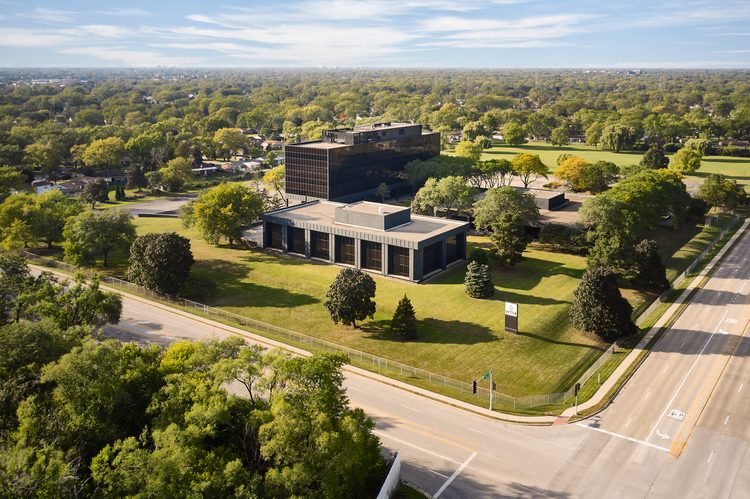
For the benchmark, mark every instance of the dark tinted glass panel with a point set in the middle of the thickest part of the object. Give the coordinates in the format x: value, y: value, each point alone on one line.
x: 306, y: 171
x: 274, y: 236
x: 296, y: 242
x: 456, y: 247
x: 344, y: 250
x: 372, y: 255
x: 398, y: 261
x: 432, y: 258
x: 319, y: 245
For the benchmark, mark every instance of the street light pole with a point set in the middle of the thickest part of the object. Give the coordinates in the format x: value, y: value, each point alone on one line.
x: 491, y: 385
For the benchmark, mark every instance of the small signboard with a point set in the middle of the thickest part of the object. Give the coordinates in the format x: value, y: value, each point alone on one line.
x: 511, y: 317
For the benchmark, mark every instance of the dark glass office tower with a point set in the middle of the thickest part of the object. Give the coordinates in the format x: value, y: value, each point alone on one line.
x: 349, y: 164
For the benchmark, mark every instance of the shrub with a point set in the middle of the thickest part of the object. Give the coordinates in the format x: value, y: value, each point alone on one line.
x: 478, y: 281
x: 563, y: 239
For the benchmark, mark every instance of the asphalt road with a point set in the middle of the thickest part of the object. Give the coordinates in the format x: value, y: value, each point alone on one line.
x: 679, y: 428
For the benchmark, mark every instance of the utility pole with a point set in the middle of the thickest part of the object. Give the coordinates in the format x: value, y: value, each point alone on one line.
x: 491, y: 390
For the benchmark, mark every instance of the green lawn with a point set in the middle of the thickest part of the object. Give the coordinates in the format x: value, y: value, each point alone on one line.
x: 459, y: 337
x: 736, y: 168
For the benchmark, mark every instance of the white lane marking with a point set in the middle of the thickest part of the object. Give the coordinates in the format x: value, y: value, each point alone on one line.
x: 647, y: 396
x: 683, y: 344
x: 726, y: 420
x: 687, y: 375
x: 709, y: 457
x: 353, y: 388
x: 743, y: 287
x: 410, y: 408
x: 475, y: 431
x: 731, y: 321
x: 740, y: 388
x: 625, y: 437
x: 628, y: 423
x: 454, y: 475
x: 665, y: 369
x: 404, y: 442
x: 438, y: 473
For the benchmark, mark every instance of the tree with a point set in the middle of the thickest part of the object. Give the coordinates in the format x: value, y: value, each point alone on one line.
x: 594, y: 133
x: 160, y: 261
x: 717, y: 190
x: 616, y: 137
x: 469, y: 150
x: 501, y: 200
x: 599, y: 308
x: 176, y: 173
x: 104, y: 153
x: 223, y: 211
x: 703, y: 146
x: 350, y: 297
x: 509, y: 238
x: 10, y: 179
x: 686, y: 161
x: 275, y: 179
x: 95, y: 192
x: 472, y: 130
x: 478, y: 282
x: 80, y: 303
x: 655, y: 158
x: 136, y: 179
x: 649, y: 271
x: 418, y: 171
x: 119, y: 193
x: 529, y: 168
x: 404, y: 322
x: 43, y: 155
x: 383, y: 191
x: 513, y: 133
x: 491, y: 173
x: 94, y: 234
x: 598, y: 176
x: 571, y: 171
x: 448, y: 193
x: 52, y: 209
x: 560, y: 136
x: 230, y: 140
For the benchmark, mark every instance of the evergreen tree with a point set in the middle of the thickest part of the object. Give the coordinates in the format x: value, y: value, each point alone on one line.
x: 136, y: 177
x: 599, y: 308
x: 404, y: 323
x: 650, y: 272
x: 478, y: 281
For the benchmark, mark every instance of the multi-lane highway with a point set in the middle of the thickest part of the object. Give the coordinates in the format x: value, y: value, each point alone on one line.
x: 679, y: 428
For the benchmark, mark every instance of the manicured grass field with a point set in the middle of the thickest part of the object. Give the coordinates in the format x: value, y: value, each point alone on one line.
x: 459, y: 337
x: 735, y: 168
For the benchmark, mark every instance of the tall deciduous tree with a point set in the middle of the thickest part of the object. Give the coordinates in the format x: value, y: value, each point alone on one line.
x: 528, y: 168
x: 560, y: 136
x: 599, y: 308
x: 513, y: 133
x: 10, y: 178
x: 223, y: 212
x: 616, y: 137
x: 448, y: 193
x: 469, y: 150
x: 104, y: 153
x: 350, y: 297
x: 230, y: 140
x: 274, y: 179
x: 94, y: 234
x: 95, y: 192
x: 686, y: 160
x: 717, y: 190
x: 655, y: 158
x: 160, y: 261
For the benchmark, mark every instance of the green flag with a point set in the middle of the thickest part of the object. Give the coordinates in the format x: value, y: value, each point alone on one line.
x: 486, y: 376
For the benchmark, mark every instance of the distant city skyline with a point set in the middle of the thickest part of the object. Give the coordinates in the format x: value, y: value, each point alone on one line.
x: 377, y: 33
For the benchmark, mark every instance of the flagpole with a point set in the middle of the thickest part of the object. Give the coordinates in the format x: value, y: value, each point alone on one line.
x: 490, y: 390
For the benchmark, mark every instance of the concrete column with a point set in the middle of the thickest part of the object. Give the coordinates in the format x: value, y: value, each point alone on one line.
x: 415, y: 264
x: 284, y: 237
x: 307, y: 243
x: 384, y: 256
x: 331, y: 248
x: 357, y: 253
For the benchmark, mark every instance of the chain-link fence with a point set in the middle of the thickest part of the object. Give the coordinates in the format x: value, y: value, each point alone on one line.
x: 410, y: 374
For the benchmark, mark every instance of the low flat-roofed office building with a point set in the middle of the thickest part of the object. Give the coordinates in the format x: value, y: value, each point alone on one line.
x: 371, y: 236
x: 349, y: 164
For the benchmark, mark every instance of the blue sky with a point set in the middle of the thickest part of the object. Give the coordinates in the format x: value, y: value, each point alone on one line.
x: 377, y: 33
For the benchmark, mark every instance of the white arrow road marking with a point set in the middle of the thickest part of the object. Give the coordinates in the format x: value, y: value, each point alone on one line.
x: 663, y: 436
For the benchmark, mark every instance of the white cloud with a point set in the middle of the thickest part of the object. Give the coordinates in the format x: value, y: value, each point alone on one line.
x: 122, y: 56
x: 22, y: 38
x: 121, y: 12
x: 50, y: 16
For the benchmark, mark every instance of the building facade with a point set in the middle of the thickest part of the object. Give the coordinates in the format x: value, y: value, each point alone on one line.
x: 350, y: 164
x: 376, y: 237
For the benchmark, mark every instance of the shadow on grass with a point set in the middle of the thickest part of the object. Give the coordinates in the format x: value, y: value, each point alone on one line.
x: 220, y: 283
x: 560, y: 342
x: 434, y: 331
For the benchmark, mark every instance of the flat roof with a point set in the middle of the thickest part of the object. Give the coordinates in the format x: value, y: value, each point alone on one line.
x: 379, y: 126
x: 374, y: 208
x: 324, y: 213
x: 319, y: 144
